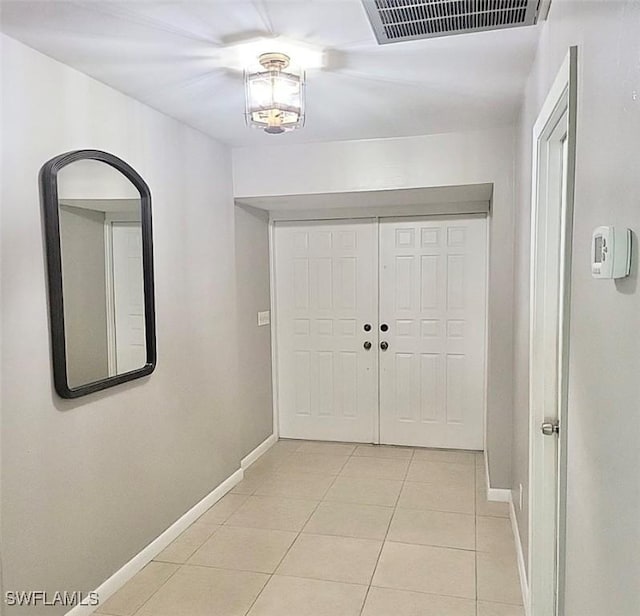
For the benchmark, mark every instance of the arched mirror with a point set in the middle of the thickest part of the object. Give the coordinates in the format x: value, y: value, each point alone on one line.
x: 100, y: 266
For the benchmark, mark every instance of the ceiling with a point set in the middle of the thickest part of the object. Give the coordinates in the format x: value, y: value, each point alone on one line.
x: 167, y: 55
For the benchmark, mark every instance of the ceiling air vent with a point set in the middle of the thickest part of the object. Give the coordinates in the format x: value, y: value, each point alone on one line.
x: 406, y: 20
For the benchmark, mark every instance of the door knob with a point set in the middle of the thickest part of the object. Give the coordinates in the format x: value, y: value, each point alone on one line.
x: 384, y: 345
x: 549, y: 428
x: 367, y: 327
x: 384, y: 327
x: 367, y: 345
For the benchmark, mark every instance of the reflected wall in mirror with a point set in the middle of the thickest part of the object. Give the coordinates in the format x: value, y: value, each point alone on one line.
x: 99, y: 253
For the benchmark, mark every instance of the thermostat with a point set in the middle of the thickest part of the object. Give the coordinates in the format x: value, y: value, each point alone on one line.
x: 611, y: 252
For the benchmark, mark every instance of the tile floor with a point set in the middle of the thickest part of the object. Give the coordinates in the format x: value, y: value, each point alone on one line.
x: 337, y: 529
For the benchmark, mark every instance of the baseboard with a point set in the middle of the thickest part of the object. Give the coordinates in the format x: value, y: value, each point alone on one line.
x: 500, y: 495
x: 260, y: 450
x: 506, y: 496
x: 124, y: 574
x: 524, y: 584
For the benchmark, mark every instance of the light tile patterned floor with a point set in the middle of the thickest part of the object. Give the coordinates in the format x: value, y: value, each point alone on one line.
x: 339, y: 529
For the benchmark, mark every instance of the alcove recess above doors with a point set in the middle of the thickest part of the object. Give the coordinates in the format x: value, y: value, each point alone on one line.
x: 462, y: 199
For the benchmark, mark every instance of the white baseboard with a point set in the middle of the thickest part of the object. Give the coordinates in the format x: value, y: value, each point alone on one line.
x: 125, y: 573
x: 260, y: 450
x: 506, y: 496
x: 524, y: 584
x: 500, y: 495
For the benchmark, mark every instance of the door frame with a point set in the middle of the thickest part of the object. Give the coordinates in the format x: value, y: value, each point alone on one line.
x: 366, y: 213
x: 274, y: 330
x: 547, y: 515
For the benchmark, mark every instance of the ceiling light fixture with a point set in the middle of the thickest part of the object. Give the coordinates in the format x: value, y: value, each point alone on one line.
x: 275, y: 97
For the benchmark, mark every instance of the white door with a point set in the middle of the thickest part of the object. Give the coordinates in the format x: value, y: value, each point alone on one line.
x: 433, y: 306
x: 326, y: 293
x: 423, y: 296
x: 551, y: 228
x: 128, y: 294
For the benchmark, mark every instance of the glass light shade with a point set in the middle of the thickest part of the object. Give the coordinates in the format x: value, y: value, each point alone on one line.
x: 275, y: 100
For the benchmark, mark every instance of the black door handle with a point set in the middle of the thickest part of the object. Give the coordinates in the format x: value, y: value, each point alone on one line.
x: 384, y: 345
x: 367, y: 345
x: 384, y: 327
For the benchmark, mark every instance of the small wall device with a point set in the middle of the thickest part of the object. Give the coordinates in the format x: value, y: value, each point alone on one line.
x: 611, y: 252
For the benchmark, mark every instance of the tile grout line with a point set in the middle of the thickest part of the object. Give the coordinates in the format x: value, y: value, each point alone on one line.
x: 446, y: 596
x: 294, y: 541
x: 259, y: 594
x: 350, y: 456
x: 395, y: 508
x: 157, y: 589
x: 366, y: 592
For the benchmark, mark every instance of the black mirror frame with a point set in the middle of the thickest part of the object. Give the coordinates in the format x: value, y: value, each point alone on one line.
x: 49, y: 196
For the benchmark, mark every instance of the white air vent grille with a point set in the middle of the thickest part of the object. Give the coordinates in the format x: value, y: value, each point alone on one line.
x: 403, y: 20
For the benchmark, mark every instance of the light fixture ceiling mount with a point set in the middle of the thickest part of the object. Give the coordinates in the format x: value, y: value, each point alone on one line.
x: 274, y: 61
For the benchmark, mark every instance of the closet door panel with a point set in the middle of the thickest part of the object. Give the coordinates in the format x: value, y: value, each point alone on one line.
x: 326, y: 291
x: 433, y: 299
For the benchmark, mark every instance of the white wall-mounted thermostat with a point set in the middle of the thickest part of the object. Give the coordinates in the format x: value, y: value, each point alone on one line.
x: 611, y: 252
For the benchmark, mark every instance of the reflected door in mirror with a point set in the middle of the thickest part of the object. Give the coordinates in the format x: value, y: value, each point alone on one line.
x: 128, y: 343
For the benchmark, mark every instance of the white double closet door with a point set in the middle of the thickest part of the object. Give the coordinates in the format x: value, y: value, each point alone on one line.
x: 380, y: 329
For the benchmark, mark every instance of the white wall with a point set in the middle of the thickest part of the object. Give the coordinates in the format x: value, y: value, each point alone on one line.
x: 255, y: 399
x: 434, y: 160
x: 83, y: 260
x: 603, y: 533
x: 88, y: 483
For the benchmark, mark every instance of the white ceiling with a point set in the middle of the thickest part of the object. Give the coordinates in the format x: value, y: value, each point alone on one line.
x: 166, y: 54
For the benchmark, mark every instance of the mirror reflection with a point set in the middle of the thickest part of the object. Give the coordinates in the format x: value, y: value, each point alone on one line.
x: 102, y: 272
